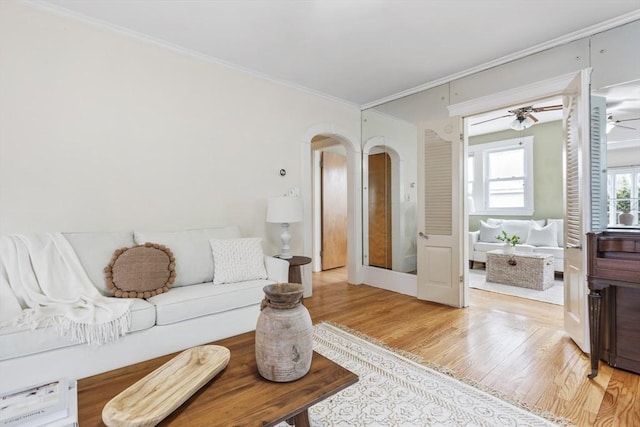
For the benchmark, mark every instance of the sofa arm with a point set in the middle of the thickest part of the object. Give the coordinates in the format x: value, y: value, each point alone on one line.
x: 474, y: 236
x: 277, y: 269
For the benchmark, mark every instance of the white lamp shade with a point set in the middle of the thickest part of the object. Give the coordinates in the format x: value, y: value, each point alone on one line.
x: 284, y: 210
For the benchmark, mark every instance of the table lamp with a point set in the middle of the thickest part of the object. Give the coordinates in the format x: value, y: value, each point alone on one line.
x: 284, y: 210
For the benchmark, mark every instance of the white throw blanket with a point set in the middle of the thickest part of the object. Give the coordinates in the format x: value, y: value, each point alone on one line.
x: 53, y: 289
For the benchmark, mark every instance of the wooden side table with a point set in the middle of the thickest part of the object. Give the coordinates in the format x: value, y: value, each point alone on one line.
x: 295, y: 273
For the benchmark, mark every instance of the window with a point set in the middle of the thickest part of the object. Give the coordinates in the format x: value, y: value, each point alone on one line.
x: 623, y: 192
x: 501, y: 177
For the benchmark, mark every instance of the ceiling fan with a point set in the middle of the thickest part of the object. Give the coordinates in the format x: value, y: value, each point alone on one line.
x: 524, y: 117
x: 612, y: 123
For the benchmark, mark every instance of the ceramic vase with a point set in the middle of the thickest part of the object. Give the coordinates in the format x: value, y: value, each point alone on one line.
x: 626, y: 218
x: 284, y: 334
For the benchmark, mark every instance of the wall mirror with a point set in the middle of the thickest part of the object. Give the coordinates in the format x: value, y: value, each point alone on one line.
x: 621, y: 136
x: 389, y: 137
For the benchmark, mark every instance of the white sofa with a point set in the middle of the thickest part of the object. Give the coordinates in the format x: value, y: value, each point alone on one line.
x: 194, y: 311
x: 541, y: 236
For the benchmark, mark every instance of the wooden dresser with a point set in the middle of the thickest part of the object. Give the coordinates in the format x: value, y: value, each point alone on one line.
x: 613, y: 276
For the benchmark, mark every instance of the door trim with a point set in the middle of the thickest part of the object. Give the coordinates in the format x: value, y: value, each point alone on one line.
x: 546, y: 88
x: 542, y: 89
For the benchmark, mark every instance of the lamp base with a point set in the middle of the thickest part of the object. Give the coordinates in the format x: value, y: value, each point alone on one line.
x: 285, y: 237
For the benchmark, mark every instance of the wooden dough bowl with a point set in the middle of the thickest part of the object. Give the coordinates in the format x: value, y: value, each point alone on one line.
x: 151, y: 399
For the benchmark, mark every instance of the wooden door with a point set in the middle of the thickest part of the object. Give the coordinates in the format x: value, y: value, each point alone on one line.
x: 334, y: 210
x: 440, y: 212
x: 379, y: 195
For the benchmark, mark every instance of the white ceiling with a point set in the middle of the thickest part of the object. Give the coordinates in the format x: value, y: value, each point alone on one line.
x: 359, y: 51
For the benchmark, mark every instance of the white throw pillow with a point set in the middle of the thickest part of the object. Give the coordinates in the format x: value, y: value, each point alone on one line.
x: 543, y: 236
x: 560, y: 225
x: 237, y: 260
x: 519, y: 227
x: 489, y: 233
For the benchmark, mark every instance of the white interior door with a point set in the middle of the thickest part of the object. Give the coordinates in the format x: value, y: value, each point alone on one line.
x: 440, y: 212
x: 577, y: 209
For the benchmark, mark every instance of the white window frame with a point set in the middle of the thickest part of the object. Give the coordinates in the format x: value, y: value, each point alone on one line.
x: 634, y: 171
x: 478, y: 153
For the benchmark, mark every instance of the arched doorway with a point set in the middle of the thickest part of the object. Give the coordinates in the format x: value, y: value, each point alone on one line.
x: 317, y: 138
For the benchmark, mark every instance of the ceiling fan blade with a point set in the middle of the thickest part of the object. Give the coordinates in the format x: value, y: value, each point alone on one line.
x: 623, y: 127
x: 547, y: 108
x: 532, y: 117
x: 627, y: 120
x: 490, y: 120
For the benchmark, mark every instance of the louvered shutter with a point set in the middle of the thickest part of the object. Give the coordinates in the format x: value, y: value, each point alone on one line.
x: 598, y: 163
x: 572, y: 164
x: 438, y: 192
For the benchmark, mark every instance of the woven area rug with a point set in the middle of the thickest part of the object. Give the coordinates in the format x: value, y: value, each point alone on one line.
x: 552, y: 295
x: 394, y: 390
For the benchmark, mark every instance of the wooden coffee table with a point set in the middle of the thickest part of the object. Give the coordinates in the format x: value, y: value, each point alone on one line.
x: 236, y: 396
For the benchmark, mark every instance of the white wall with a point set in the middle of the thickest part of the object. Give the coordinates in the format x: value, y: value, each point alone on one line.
x: 623, y: 157
x: 102, y: 131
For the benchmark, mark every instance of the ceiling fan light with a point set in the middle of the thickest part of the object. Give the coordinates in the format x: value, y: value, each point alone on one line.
x: 610, y: 126
x: 528, y: 122
x: 522, y: 123
x: 517, y: 125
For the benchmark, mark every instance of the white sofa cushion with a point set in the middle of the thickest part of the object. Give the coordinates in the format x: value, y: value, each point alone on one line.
x: 194, y: 262
x: 559, y: 228
x: 484, y: 247
x: 94, y: 250
x: 543, y: 236
x: 519, y: 227
x: 556, y: 252
x: 489, y: 233
x: 189, y: 302
x: 237, y: 260
x: 22, y: 340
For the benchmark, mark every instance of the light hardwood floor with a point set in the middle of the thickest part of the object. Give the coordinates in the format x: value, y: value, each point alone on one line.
x: 512, y: 345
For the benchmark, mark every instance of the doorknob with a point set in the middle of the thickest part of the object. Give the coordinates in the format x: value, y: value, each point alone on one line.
x: 424, y: 236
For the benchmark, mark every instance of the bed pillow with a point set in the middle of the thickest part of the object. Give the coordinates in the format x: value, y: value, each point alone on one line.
x: 543, y: 236
x: 141, y: 271
x: 488, y: 233
x: 237, y: 260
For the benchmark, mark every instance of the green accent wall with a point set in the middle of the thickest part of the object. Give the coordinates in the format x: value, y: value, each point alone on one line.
x: 548, y: 187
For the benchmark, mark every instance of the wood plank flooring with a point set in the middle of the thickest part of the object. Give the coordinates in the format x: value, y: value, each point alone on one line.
x: 515, y: 346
